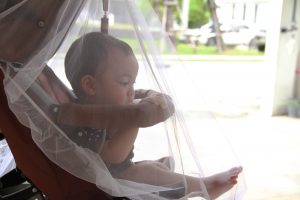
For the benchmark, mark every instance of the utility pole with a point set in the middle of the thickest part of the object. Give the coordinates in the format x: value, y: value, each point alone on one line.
x: 185, y: 14
x: 168, y: 18
x: 219, y: 40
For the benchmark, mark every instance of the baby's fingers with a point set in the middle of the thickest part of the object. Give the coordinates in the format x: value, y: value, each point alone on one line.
x: 162, y: 102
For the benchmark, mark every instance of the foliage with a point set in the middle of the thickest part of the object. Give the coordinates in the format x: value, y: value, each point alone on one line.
x: 147, y: 6
x: 199, y: 13
x: 292, y: 102
x: 157, y: 5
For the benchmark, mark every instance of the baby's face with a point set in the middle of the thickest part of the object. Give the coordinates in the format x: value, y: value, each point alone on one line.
x: 115, y: 84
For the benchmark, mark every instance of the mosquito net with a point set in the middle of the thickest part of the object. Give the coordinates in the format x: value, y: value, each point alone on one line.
x: 116, y: 109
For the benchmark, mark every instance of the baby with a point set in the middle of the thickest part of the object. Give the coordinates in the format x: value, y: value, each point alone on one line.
x: 102, y: 70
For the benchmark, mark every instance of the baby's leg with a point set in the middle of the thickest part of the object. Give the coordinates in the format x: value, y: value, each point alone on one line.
x: 155, y: 174
x: 151, y: 172
x: 166, y: 162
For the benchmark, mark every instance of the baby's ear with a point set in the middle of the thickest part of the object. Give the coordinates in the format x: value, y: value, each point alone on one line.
x: 88, y: 84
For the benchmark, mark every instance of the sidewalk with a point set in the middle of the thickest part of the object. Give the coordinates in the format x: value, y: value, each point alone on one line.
x: 214, y: 58
x: 269, y: 150
x: 200, y: 57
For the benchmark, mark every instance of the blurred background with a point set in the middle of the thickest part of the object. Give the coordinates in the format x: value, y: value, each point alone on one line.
x: 244, y: 56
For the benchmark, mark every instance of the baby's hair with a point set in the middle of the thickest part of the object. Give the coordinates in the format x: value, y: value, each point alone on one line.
x: 89, y: 53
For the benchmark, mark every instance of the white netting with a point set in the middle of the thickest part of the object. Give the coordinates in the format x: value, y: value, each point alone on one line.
x: 171, y: 159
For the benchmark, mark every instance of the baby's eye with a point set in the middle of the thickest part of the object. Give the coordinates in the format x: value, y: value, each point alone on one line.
x: 124, y: 83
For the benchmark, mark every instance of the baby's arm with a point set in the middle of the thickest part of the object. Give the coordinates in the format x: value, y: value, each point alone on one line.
x: 116, y: 149
x: 157, y: 98
x: 119, y: 146
x: 113, y: 117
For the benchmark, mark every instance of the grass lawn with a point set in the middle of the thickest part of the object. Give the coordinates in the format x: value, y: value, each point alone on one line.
x: 187, y: 49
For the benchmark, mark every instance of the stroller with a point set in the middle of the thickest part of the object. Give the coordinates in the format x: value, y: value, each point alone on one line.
x: 39, y: 109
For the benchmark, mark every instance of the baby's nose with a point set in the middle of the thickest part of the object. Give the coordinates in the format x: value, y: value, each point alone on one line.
x: 131, y: 94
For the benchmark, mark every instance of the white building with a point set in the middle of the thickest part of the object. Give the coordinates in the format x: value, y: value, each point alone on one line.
x: 246, y: 10
x: 281, y: 19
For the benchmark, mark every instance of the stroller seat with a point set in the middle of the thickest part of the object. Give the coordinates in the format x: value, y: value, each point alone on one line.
x: 53, y: 181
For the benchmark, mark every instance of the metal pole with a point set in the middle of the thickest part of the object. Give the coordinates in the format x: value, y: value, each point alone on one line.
x: 185, y: 13
x: 104, y: 19
x: 294, y: 12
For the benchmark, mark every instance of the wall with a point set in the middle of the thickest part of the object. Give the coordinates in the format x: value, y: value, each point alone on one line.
x: 281, y: 57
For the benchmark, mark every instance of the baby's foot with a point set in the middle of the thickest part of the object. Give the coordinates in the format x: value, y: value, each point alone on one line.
x: 220, y: 183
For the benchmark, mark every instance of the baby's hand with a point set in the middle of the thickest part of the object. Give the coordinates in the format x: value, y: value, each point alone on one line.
x: 159, y: 99
x: 155, y: 108
x: 136, y: 101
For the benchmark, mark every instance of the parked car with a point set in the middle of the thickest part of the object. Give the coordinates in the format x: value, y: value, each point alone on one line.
x: 233, y: 34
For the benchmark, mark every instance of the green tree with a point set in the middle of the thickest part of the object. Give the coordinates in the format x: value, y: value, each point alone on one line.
x: 158, y: 6
x: 199, y: 13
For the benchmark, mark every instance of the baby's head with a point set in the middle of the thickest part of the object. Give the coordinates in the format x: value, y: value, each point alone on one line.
x: 101, y: 69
